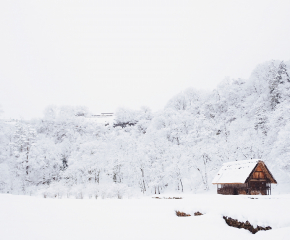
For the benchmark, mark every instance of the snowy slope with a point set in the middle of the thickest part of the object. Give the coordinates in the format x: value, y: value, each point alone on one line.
x: 180, y: 148
x: 31, y: 218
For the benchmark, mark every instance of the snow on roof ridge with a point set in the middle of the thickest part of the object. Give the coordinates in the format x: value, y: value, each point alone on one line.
x: 235, y: 172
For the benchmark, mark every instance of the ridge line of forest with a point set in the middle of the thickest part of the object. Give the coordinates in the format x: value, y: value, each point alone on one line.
x: 177, y: 149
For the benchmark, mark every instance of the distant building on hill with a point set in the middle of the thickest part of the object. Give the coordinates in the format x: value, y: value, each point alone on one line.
x: 250, y: 177
x: 103, y: 118
x: 103, y: 115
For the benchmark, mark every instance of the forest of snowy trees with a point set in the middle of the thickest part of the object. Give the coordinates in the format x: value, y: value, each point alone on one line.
x: 177, y: 149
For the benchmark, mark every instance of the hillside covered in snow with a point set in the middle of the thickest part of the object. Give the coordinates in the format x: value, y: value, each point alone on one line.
x: 178, y: 149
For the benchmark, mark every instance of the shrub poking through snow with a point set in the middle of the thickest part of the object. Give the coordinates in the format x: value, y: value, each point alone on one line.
x: 198, y: 213
x: 246, y: 225
x: 182, y: 214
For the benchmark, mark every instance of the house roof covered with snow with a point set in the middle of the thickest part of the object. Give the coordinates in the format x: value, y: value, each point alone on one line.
x: 239, y: 171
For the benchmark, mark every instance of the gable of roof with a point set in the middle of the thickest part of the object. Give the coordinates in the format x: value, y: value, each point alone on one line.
x: 265, y: 170
x: 238, y: 172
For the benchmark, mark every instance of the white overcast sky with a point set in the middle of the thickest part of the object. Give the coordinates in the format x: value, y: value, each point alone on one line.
x: 109, y: 54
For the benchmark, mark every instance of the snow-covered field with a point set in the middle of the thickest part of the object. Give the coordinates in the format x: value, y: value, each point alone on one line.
x: 32, y: 218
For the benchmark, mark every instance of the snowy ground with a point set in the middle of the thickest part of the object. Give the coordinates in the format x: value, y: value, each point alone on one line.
x: 32, y: 218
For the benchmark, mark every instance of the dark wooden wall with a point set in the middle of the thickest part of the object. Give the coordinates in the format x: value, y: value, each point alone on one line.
x: 251, y: 188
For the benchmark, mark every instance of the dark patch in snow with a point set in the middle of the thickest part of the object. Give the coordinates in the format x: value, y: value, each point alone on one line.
x: 246, y: 225
x: 198, y: 213
x: 182, y: 214
x: 168, y: 198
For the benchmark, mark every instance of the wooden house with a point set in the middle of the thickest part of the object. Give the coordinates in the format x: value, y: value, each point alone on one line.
x: 250, y: 177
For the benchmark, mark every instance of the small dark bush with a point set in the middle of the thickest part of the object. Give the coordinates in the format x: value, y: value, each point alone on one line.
x: 182, y: 214
x: 198, y: 213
